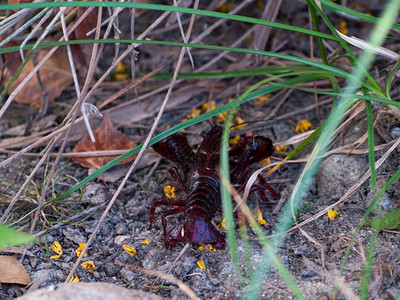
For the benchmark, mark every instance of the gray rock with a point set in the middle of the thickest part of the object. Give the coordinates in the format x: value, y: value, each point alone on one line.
x: 338, y: 173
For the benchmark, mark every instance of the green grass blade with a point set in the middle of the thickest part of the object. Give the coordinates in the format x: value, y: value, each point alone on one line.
x: 167, y: 8
x: 316, y: 26
x: 371, y: 144
x: 364, y: 286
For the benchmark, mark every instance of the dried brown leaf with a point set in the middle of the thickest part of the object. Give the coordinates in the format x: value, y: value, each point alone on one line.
x: 55, y: 75
x: 12, y: 271
x: 107, y: 138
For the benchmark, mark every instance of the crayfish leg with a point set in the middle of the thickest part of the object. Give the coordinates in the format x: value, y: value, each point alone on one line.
x: 167, y: 203
x: 267, y: 186
x: 167, y: 213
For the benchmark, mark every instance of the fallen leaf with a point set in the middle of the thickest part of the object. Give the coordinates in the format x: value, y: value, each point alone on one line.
x: 107, y: 138
x: 12, y: 271
x: 55, y: 75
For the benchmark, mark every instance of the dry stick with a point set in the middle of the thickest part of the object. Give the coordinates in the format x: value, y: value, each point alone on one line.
x: 185, y: 288
x: 74, y: 116
x: 34, y: 70
x: 41, y: 63
x: 13, y: 94
x: 146, y: 142
x: 66, y: 126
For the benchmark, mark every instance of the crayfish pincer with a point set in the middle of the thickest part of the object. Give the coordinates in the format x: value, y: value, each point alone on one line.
x: 198, y: 177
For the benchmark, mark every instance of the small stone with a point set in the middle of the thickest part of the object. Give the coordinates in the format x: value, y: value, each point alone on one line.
x: 120, y: 240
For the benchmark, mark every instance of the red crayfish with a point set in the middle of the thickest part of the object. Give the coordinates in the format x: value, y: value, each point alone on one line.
x: 199, y: 179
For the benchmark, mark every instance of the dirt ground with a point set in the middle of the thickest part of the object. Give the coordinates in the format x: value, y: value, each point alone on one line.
x: 71, y: 221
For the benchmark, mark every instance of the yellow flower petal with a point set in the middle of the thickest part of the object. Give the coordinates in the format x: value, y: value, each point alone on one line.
x: 303, y: 125
x: 89, y: 266
x: 332, y: 214
x: 223, y: 223
x: 169, y: 192
x: 195, y: 112
x: 211, y: 249
x: 260, y: 219
x: 57, y: 249
x: 281, y: 148
x: 121, y: 67
x: 79, y: 250
x: 130, y: 250
x: 74, y: 279
x: 260, y: 100
x: 265, y: 162
x: 207, y: 106
x: 240, y: 123
x: 343, y: 27
x: 221, y: 117
x: 201, y: 265
x: 235, y: 140
x: 145, y: 242
x: 202, y: 248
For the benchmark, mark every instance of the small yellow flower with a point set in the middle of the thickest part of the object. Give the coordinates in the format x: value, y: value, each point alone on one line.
x: 211, y: 249
x: 240, y: 123
x: 260, y: 219
x: 201, y: 265
x: 57, y: 249
x: 79, y: 250
x: 223, y: 223
x: 303, y: 125
x: 146, y: 242
x: 169, y: 192
x: 89, y: 266
x: 130, y: 250
x: 281, y: 148
x: 332, y: 214
x: 260, y: 100
x: 74, y: 279
x: 221, y: 117
x: 235, y: 140
x: 121, y: 67
x: 195, y: 112
x: 207, y: 106
x: 343, y: 27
